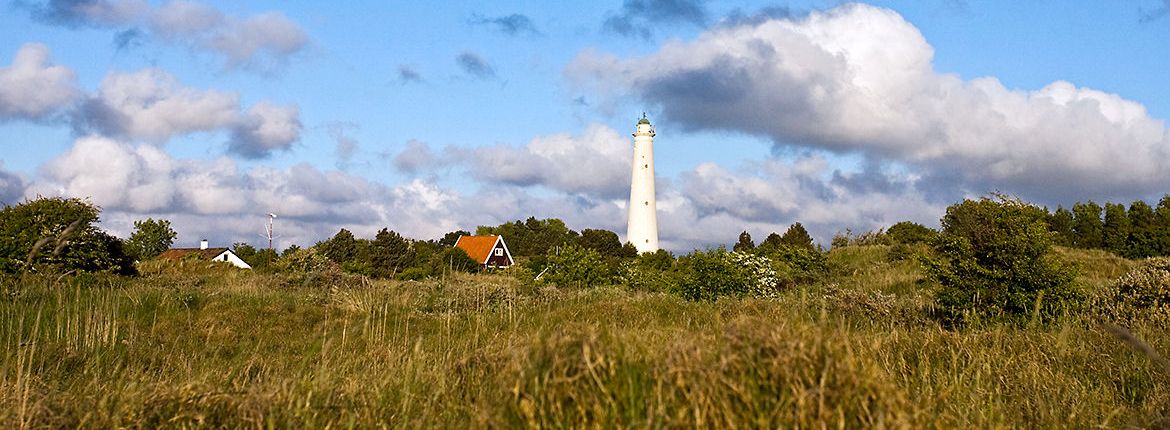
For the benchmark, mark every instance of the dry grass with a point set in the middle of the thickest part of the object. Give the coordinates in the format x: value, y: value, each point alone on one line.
x: 229, y: 349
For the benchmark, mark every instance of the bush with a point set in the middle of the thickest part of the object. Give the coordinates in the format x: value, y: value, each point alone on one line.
x: 909, y: 233
x: 1141, y: 294
x: 994, y: 259
x: 708, y: 275
x: 58, y: 235
x: 574, y: 266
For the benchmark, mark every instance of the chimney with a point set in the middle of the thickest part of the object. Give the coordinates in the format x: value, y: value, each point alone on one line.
x: 203, y: 244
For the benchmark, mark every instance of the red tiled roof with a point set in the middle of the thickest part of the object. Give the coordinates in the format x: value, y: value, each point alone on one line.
x: 479, y: 248
x: 202, y: 254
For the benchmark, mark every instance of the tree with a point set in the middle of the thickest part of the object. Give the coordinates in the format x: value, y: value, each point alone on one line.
x: 390, y: 253
x: 340, y: 248
x: 1115, y: 232
x: 150, y: 238
x: 994, y: 258
x: 909, y: 233
x: 532, y: 237
x: 745, y: 243
x: 58, y: 234
x: 771, y: 243
x: 1142, y: 231
x: 605, y: 242
x: 1061, y: 223
x: 797, y: 236
x: 257, y: 258
x: 1087, y: 225
x: 449, y: 239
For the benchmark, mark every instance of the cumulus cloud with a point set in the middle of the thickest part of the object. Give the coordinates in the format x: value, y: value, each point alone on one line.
x: 860, y: 79
x: 261, y: 42
x: 218, y: 200
x: 513, y: 25
x: 475, y: 66
x: 595, y: 163
x: 636, y: 17
x: 33, y: 88
x: 152, y: 105
x: 265, y: 128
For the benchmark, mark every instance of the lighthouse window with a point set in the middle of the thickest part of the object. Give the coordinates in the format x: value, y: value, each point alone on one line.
x: 647, y: 203
x: 645, y: 166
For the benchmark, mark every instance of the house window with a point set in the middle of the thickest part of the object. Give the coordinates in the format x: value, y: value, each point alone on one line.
x: 499, y: 252
x: 225, y: 257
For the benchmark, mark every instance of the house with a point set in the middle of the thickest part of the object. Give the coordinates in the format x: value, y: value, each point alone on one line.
x: 489, y: 251
x: 223, y: 255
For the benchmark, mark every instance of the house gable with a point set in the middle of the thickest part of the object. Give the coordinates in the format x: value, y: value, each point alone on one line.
x: 486, y: 250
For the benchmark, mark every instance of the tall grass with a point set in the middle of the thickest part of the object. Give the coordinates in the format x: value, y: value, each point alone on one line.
x: 201, y: 347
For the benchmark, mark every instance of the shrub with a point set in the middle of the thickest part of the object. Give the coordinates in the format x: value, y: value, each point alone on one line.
x: 1141, y: 294
x: 574, y: 266
x: 708, y: 275
x: 994, y: 258
x: 907, y: 232
x: 58, y: 234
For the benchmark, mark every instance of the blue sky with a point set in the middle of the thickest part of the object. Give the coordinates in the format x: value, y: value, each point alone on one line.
x: 425, y: 118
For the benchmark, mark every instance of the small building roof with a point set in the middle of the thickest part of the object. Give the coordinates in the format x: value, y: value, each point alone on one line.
x: 479, y: 248
x: 202, y: 254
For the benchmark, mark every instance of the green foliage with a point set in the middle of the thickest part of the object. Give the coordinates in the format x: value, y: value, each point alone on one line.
x: 909, y: 233
x: 606, y: 243
x: 744, y: 244
x: 1061, y: 223
x: 708, y: 275
x: 657, y: 260
x: 531, y: 237
x: 1087, y: 225
x: 257, y: 258
x: 994, y: 259
x: 800, y: 264
x: 796, y: 236
x: 150, y: 238
x: 1115, y: 231
x: 575, y: 266
x: 450, y: 238
x: 390, y: 253
x: 53, y: 233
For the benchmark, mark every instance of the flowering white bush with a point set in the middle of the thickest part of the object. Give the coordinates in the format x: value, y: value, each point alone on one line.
x: 765, y: 283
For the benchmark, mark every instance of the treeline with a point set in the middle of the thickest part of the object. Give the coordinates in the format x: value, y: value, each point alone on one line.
x: 1138, y: 231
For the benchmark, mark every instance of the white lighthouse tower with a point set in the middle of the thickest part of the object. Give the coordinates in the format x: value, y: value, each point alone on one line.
x: 642, y: 229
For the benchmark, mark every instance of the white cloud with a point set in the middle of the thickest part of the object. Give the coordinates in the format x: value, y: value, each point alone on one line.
x: 264, y: 129
x: 32, y: 88
x: 259, y: 41
x: 860, y: 79
x: 596, y: 163
x: 216, y: 199
x: 151, y: 105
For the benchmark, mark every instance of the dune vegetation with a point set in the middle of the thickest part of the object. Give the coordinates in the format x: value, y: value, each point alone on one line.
x: 199, y: 345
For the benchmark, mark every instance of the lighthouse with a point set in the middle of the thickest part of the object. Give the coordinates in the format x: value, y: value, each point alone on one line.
x: 642, y: 227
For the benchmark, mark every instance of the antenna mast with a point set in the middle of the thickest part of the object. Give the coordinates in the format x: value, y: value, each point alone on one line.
x: 268, y: 229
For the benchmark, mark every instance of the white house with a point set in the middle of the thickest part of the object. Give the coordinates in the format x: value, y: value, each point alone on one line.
x: 223, y: 255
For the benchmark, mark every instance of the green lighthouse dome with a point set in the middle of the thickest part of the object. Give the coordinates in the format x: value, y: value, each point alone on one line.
x: 643, y: 120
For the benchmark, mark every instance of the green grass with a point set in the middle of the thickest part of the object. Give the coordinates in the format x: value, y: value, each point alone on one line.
x: 208, y: 348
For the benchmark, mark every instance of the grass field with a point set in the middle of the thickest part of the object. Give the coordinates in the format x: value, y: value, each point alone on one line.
x: 233, y: 349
